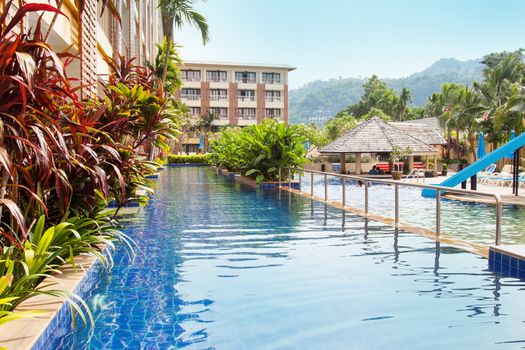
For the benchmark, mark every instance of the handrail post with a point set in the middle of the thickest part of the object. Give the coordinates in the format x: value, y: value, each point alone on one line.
x: 499, y: 210
x: 344, y: 191
x: 438, y: 213
x: 290, y: 179
x: 325, y: 189
x: 312, y: 184
x: 396, y: 204
x: 366, y: 198
x: 279, y: 179
x: 300, y: 178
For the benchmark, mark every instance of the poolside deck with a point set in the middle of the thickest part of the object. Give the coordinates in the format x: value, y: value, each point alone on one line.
x: 506, y: 199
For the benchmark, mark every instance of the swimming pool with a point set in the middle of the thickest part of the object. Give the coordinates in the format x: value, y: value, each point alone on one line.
x: 223, y: 266
x: 469, y: 221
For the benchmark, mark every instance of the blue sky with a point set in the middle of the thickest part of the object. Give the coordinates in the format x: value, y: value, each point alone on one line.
x: 350, y: 38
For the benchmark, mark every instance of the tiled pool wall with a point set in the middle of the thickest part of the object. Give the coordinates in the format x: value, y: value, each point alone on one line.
x: 506, y: 264
x: 186, y: 164
x: 64, y: 317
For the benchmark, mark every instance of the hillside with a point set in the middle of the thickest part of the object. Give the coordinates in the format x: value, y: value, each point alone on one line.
x: 325, y: 98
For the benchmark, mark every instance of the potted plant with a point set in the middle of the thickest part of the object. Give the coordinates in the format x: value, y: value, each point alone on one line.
x: 444, y: 169
x: 398, y: 154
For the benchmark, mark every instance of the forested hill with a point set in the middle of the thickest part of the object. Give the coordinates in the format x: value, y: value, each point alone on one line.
x: 328, y: 97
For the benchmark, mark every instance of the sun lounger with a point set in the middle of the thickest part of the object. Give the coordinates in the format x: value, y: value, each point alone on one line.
x: 485, y: 176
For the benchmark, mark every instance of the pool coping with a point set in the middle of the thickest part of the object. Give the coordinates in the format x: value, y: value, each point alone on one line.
x: 266, y: 185
x: 30, y: 333
x: 470, y: 247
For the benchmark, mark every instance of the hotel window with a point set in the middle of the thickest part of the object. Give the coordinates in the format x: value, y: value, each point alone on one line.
x: 246, y: 113
x: 190, y: 75
x: 195, y: 111
x: 273, y: 113
x: 217, y: 76
x: 245, y: 77
x: 218, y: 94
x: 273, y: 96
x: 245, y: 95
x: 190, y: 94
x: 219, y: 113
x: 271, y: 78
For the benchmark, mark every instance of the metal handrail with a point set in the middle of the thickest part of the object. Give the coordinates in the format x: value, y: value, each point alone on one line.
x: 366, y: 181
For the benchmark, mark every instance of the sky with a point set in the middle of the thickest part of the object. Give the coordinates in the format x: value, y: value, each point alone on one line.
x: 354, y: 38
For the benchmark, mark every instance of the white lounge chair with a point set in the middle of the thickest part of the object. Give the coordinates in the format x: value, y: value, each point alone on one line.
x: 485, y: 175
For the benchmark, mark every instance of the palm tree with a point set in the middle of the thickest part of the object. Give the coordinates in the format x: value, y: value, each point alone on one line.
x: 468, y: 111
x: 443, y: 106
x: 503, y: 96
x: 404, y: 98
x: 176, y: 13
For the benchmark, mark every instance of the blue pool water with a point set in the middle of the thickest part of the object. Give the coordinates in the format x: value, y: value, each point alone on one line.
x: 469, y: 221
x: 222, y: 266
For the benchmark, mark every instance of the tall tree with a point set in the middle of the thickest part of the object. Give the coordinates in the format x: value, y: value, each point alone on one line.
x: 404, y: 99
x: 503, y: 95
x: 175, y: 14
x: 468, y: 113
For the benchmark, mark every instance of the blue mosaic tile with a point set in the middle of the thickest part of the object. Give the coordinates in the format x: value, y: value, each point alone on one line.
x: 63, y: 316
x: 506, y: 265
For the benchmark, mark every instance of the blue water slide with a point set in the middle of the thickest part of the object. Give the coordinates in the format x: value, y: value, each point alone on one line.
x: 480, y: 165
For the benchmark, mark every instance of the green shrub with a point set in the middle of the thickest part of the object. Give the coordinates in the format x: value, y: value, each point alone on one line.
x: 259, y: 151
x: 189, y: 159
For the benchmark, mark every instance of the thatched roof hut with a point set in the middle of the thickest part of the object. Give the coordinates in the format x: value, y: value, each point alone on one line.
x: 375, y: 136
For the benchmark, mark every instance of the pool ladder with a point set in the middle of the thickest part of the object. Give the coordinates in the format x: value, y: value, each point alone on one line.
x: 415, y: 174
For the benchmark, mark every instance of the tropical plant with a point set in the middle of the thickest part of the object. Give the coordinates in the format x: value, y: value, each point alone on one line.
x: 173, y: 80
x: 259, y: 151
x: 176, y: 13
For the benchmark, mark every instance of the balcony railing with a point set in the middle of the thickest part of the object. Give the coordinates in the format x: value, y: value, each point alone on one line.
x: 272, y: 81
x: 217, y: 80
x: 246, y: 117
x: 190, y: 97
x: 273, y: 99
x: 191, y: 79
x: 273, y: 116
x: 246, y: 98
x: 220, y: 117
x: 246, y: 80
x: 218, y: 97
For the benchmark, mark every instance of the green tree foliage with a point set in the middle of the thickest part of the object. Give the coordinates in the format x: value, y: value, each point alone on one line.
x: 259, y: 151
x: 175, y: 14
x: 336, y: 94
x: 494, y: 105
x: 338, y: 126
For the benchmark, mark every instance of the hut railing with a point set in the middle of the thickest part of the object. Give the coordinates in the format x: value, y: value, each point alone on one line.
x: 440, y: 190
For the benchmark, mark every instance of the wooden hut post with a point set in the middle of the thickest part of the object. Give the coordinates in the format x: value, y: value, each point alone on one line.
x: 410, y: 162
x: 358, y: 163
x: 342, y: 162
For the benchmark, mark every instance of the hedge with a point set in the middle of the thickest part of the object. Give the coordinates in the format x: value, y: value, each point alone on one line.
x: 189, y: 158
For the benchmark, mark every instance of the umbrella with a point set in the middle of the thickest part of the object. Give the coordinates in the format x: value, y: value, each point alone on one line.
x: 200, y: 142
x: 512, y: 135
x: 481, y: 146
